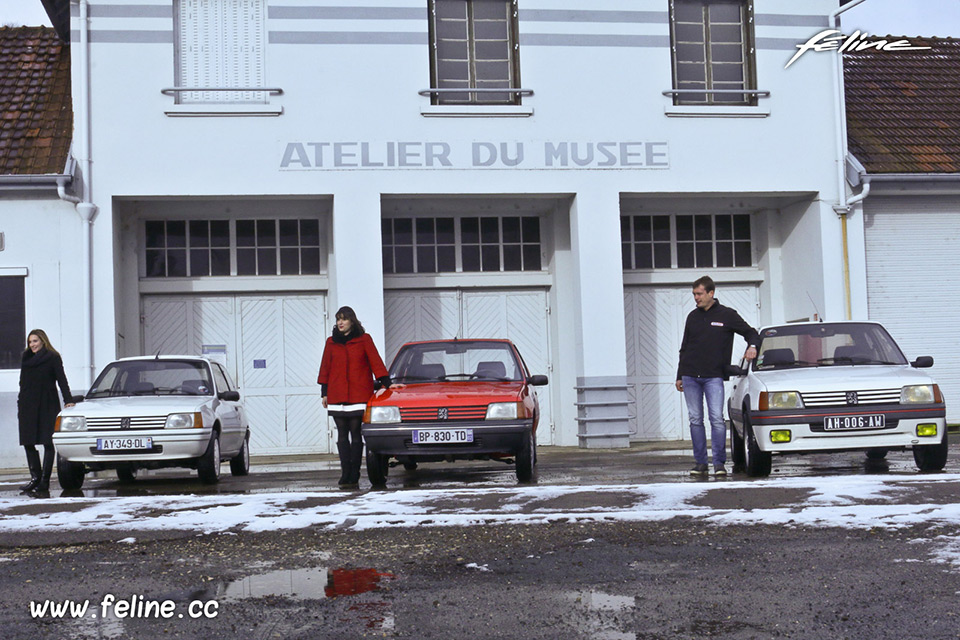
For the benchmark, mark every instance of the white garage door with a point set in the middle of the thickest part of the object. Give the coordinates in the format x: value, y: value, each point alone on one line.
x: 271, y: 346
x: 912, y: 251
x: 654, y: 326
x: 518, y: 315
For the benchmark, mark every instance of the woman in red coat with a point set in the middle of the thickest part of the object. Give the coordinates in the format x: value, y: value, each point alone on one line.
x: 349, y: 365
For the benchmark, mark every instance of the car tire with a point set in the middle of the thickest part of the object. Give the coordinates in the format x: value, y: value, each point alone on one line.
x: 377, y: 468
x: 527, y: 458
x: 737, y: 454
x: 931, y: 457
x: 208, y: 467
x: 127, y: 474
x: 876, y: 454
x: 240, y: 463
x: 70, y: 474
x: 757, y: 463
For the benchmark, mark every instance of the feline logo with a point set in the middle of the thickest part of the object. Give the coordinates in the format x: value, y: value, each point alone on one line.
x: 827, y: 41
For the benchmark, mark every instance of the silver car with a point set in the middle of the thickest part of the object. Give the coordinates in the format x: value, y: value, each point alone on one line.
x: 150, y: 413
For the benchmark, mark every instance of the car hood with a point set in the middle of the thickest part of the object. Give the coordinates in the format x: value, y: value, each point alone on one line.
x: 453, y: 393
x: 842, y: 378
x: 133, y: 406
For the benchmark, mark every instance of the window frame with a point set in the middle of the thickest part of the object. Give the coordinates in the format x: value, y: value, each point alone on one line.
x: 14, y: 331
x: 631, y: 244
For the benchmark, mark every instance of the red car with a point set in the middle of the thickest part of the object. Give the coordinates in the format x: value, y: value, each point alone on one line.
x: 461, y: 400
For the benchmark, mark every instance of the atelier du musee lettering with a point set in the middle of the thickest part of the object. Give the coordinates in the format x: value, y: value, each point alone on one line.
x: 495, y: 155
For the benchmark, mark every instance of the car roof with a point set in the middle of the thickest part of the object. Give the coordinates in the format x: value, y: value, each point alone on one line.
x: 819, y: 323
x: 456, y: 340
x: 164, y: 357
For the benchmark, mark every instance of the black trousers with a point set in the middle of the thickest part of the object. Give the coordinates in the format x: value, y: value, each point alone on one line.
x: 349, y: 446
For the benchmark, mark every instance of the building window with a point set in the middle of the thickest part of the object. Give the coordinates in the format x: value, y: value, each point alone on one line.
x: 467, y: 244
x: 198, y: 248
x: 686, y: 241
x: 220, y: 46
x: 13, y: 321
x: 712, y: 47
x: 474, y: 44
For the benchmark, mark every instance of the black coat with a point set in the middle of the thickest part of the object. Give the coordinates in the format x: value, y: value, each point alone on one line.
x: 708, y: 341
x: 38, y: 404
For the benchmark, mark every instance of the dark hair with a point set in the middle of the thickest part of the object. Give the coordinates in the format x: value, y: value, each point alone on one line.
x: 347, y: 313
x: 707, y: 283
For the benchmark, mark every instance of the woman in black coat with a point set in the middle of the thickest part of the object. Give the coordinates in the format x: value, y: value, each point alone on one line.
x: 41, y: 370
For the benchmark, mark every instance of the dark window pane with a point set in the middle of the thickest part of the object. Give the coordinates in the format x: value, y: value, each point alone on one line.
x: 742, y: 255
x: 641, y: 256
x: 246, y: 233
x: 176, y: 233
x: 511, y: 229
x: 425, y: 232
x: 726, y: 33
x: 453, y: 70
x: 219, y: 262
x: 641, y: 229
x: 661, y: 228
x: 490, y: 257
x: 689, y: 32
x: 403, y: 231
x: 531, y: 257
x: 289, y: 261
x: 387, y: 257
x: 726, y: 53
x: 685, y: 255
x: 704, y: 254
x: 309, y: 233
x: 685, y: 228
x: 310, y: 261
x: 470, y: 230
x: 386, y: 231
x: 625, y: 228
x: 267, y: 234
x: 724, y: 254
x: 491, y: 50
x: 531, y: 228
x: 490, y: 231
x: 724, y: 12
x: 471, y: 258
x: 445, y: 231
x: 690, y: 53
x: 156, y: 263
x: 512, y: 260
x: 246, y: 262
x: 724, y: 227
x: 199, y: 262
x: 688, y: 12
x: 403, y: 259
x: 12, y: 321
x: 199, y: 233
x: 625, y: 254
x: 692, y: 76
x: 426, y: 260
x: 451, y: 9
x: 446, y: 258
x: 177, y: 263
x: 490, y: 9
x: 219, y: 233
x: 493, y: 70
x: 267, y: 262
x: 729, y: 73
x: 289, y: 233
x: 741, y: 227
x: 661, y: 255
x: 155, y: 234
x: 703, y: 227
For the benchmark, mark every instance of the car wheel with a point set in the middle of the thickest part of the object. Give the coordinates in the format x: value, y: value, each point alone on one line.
x: 240, y: 464
x: 127, y: 474
x: 527, y: 457
x: 208, y: 468
x: 931, y: 457
x: 377, y: 468
x: 876, y: 454
x: 737, y: 445
x: 757, y: 462
x: 70, y: 474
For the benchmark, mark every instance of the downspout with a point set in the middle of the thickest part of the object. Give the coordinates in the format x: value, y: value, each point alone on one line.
x: 843, y: 206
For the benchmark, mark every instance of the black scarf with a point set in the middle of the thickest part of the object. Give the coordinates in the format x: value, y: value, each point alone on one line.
x: 343, y: 338
x: 31, y: 359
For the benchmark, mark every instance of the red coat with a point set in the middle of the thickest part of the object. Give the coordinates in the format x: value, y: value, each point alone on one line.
x: 349, y: 369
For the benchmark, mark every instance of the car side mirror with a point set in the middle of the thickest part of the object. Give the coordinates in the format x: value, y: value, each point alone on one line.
x: 923, y: 362
x: 537, y: 381
x: 229, y: 396
x: 77, y: 399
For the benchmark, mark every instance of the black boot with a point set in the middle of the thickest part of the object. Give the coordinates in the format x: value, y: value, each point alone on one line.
x: 43, y: 487
x: 33, y: 463
x: 356, y: 458
x: 343, y: 448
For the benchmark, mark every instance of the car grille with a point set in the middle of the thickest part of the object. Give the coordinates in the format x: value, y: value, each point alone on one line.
x: 114, y: 424
x: 839, y: 398
x: 433, y: 414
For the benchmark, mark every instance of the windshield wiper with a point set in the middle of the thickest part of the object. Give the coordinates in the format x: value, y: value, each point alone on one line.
x: 852, y: 360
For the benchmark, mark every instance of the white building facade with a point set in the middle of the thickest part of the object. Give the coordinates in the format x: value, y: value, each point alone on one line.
x: 550, y: 171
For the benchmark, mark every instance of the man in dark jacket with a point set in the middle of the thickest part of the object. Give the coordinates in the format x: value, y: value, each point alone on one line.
x: 704, y: 355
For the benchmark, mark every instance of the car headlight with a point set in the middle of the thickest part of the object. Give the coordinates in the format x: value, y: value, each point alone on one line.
x: 379, y: 415
x: 183, y: 421
x: 780, y: 400
x: 502, y: 411
x: 71, y: 423
x: 917, y: 394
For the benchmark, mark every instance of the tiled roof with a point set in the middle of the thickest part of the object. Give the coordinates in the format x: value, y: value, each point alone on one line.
x: 903, y: 107
x: 36, y: 112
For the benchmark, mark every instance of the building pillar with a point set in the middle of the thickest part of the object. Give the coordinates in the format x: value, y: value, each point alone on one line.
x: 602, y: 398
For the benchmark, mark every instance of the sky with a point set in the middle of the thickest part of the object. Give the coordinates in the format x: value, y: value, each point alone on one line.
x: 877, y: 17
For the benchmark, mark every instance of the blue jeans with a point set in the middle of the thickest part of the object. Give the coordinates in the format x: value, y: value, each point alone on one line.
x: 694, y: 391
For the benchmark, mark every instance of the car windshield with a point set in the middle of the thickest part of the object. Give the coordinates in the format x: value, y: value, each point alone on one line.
x: 153, y: 378
x: 460, y: 360
x: 826, y: 344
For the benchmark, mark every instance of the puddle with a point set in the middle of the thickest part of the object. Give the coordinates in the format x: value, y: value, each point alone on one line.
x: 306, y: 584
x: 603, y: 621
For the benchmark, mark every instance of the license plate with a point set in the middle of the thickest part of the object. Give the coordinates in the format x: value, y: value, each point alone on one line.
x: 442, y: 436
x: 840, y: 423
x: 121, y: 444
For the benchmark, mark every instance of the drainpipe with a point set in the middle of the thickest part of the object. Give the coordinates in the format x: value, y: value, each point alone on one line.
x: 844, y: 205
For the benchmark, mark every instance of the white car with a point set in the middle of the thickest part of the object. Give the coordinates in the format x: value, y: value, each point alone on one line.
x: 154, y: 412
x: 833, y: 386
